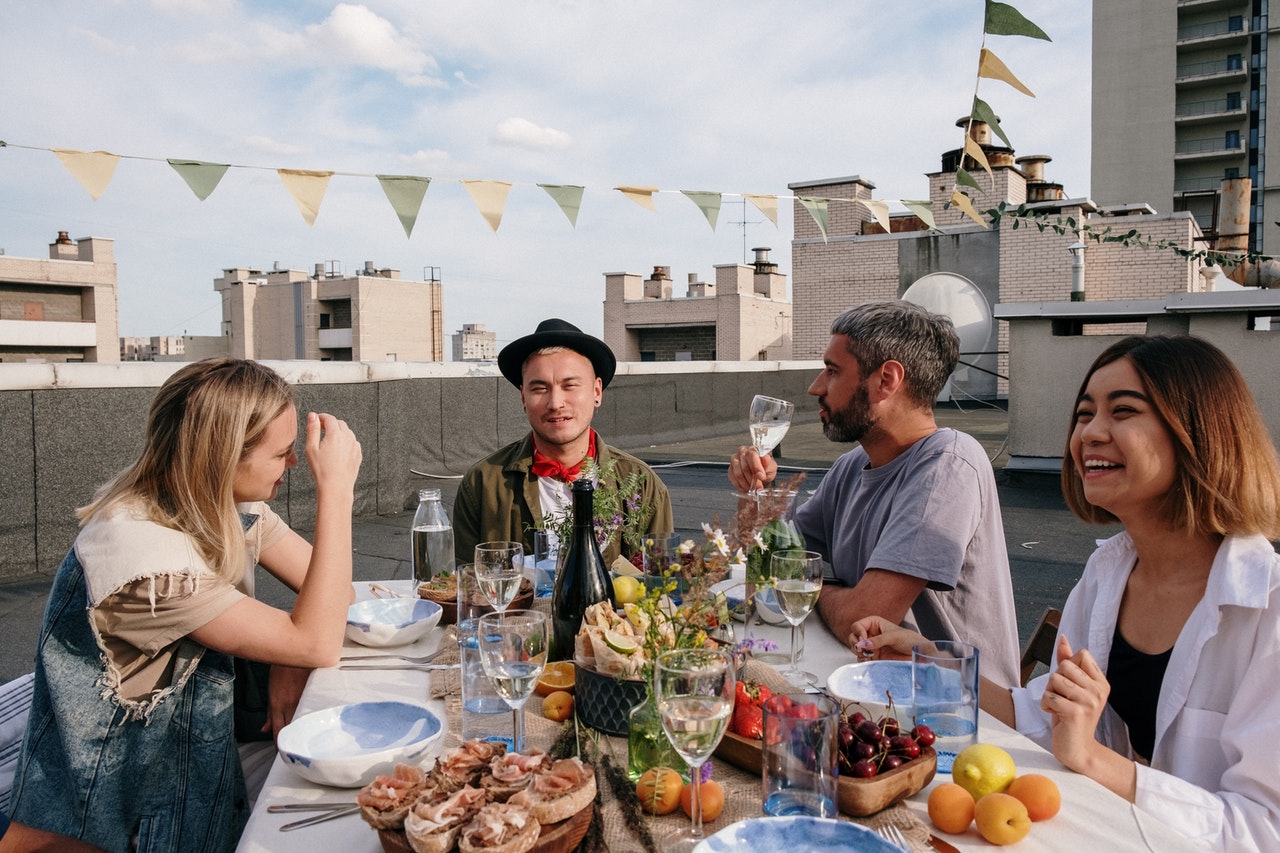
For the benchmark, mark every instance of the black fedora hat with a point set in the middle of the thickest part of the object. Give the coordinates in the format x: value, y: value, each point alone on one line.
x: 556, y: 333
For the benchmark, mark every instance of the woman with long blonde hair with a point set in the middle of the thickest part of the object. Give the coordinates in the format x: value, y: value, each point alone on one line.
x: 130, y: 740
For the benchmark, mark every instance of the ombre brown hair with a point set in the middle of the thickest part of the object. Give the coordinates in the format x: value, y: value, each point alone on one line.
x: 202, y: 422
x: 1228, y: 477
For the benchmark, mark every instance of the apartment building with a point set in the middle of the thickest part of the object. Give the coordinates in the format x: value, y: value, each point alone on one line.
x: 474, y: 343
x: 154, y: 348
x: 63, y: 309
x: 744, y: 315
x: 374, y: 315
x: 1179, y: 104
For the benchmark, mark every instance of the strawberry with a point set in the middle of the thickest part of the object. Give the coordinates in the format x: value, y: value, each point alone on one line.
x: 748, y: 717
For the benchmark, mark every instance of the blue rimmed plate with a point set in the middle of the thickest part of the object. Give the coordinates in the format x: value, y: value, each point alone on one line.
x: 771, y: 834
x: 867, y: 682
x: 348, y: 745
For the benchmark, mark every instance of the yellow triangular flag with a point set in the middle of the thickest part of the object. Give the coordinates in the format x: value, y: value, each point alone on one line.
x: 307, y: 188
x: 817, y: 208
x: 878, y: 209
x: 200, y: 176
x: 569, y: 197
x: 961, y: 201
x: 766, y: 204
x: 707, y: 202
x: 975, y: 151
x: 922, y: 209
x: 93, y: 169
x: 405, y: 192
x: 491, y: 198
x: 642, y: 196
x: 990, y: 66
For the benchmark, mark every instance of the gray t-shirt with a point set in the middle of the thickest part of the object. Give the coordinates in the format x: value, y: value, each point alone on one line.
x: 931, y: 513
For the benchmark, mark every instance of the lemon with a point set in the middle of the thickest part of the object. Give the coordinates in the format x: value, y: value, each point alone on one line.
x: 983, y: 769
x: 620, y: 644
x: 627, y: 590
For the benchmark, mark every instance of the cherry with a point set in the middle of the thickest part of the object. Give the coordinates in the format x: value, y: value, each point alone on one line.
x: 904, y: 745
x: 891, y: 762
x: 889, y: 727
x: 863, y: 750
x: 865, y: 768
x: 923, y: 735
x: 867, y: 732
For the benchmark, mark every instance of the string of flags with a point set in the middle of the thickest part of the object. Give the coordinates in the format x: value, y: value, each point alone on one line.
x: 95, y: 169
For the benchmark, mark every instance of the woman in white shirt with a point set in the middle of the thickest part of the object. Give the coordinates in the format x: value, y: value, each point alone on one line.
x: 1164, y: 684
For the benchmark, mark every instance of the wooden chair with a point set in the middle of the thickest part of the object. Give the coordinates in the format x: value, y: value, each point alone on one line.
x: 1042, y: 643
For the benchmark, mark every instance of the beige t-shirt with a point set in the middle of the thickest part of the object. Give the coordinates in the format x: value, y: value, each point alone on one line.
x: 144, y: 622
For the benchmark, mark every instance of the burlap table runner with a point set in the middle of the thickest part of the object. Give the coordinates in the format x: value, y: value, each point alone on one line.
x: 742, y: 789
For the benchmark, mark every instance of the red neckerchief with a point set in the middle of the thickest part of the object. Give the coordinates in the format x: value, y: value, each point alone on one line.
x: 544, y: 467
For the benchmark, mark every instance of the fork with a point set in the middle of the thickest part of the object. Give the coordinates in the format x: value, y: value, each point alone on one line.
x: 406, y: 658
x: 890, y: 832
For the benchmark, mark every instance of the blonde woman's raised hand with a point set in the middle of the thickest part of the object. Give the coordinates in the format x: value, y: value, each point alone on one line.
x: 333, y: 452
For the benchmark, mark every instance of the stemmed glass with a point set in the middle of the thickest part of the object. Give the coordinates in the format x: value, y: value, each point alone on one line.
x: 797, y: 581
x: 513, y: 651
x: 769, y: 421
x: 499, y: 569
x: 694, y: 691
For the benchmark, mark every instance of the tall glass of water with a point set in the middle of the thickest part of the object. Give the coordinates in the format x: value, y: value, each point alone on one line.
x: 513, y: 650
x: 499, y: 568
x: 944, y: 683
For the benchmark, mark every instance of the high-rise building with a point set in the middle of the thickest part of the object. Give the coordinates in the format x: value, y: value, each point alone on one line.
x: 1179, y: 104
x: 474, y: 343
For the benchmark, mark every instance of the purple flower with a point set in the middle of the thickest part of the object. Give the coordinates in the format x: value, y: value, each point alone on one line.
x: 704, y: 774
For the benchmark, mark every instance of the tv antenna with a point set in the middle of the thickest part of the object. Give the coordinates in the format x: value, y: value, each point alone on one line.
x: 744, y: 222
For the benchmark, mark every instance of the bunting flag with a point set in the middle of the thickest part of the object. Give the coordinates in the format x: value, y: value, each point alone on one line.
x: 982, y: 112
x: 491, y: 198
x: 961, y: 201
x: 707, y: 202
x: 963, y: 178
x: 200, y: 176
x: 93, y: 169
x: 974, y: 150
x: 569, y: 197
x: 307, y: 188
x: 405, y: 192
x: 642, y: 196
x: 1004, y: 20
x: 990, y: 66
x: 922, y: 209
x: 879, y: 209
x: 766, y: 204
x: 817, y: 208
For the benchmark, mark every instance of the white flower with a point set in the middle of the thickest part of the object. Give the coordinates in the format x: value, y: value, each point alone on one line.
x: 687, y: 546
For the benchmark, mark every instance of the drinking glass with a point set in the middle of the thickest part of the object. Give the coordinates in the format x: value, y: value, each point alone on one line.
x: 769, y: 421
x: 797, y: 581
x: 660, y: 559
x: 499, y: 568
x: 513, y: 650
x: 944, y: 697
x: 694, y: 691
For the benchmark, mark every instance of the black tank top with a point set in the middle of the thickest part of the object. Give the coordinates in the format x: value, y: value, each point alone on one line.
x: 1135, y: 679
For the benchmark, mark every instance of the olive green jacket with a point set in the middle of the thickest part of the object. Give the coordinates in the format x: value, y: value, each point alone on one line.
x: 498, y: 499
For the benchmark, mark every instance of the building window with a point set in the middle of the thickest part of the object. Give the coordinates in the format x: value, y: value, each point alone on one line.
x: 1234, y: 62
x: 1235, y: 24
x: 648, y: 355
x: 1232, y: 172
x: 1233, y: 100
x: 1233, y: 139
x: 324, y: 321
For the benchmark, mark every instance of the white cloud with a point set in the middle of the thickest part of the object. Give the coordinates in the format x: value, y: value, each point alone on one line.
x: 355, y: 35
x: 267, y: 145
x: 522, y: 133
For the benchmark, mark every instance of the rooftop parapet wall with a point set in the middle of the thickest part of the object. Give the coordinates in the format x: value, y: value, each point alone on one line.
x: 67, y: 428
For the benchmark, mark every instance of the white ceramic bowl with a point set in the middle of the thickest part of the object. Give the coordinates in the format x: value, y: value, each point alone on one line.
x: 865, y: 683
x: 767, y: 608
x: 348, y: 745
x: 391, y: 621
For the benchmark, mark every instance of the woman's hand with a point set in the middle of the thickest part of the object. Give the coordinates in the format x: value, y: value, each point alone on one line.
x: 749, y: 470
x: 333, y: 453
x: 284, y: 689
x: 876, y: 638
x: 1075, y: 697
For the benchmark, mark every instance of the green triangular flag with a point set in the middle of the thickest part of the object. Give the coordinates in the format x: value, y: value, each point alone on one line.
x: 202, y: 177
x: 982, y: 112
x: 707, y: 202
x: 922, y: 209
x: 817, y: 208
x: 405, y: 193
x: 1004, y: 20
x: 569, y: 197
x: 965, y: 179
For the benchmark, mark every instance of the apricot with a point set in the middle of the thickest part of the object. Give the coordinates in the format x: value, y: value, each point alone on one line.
x: 712, y: 799
x: 1038, y: 793
x: 659, y: 790
x: 1001, y: 818
x: 951, y: 808
x: 558, y: 705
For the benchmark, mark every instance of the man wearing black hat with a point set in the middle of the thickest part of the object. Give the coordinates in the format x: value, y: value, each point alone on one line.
x: 561, y: 373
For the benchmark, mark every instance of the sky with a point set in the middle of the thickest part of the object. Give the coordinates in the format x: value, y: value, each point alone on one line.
x: 734, y: 98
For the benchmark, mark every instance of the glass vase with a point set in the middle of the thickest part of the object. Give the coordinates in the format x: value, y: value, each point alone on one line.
x: 647, y: 744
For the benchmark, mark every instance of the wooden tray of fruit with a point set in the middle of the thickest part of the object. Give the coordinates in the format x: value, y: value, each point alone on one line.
x: 443, y: 590
x: 554, y: 838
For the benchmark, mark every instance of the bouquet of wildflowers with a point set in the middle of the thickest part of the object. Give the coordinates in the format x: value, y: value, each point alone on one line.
x: 618, y: 508
x: 762, y: 527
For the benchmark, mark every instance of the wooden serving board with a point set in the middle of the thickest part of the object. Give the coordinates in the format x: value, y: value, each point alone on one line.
x: 559, y: 837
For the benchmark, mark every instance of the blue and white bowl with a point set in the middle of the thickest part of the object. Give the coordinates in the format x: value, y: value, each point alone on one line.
x: 870, y: 683
x: 349, y: 745
x: 383, y: 622
x: 771, y: 834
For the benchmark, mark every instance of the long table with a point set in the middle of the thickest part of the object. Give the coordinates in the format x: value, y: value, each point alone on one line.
x: 1092, y: 818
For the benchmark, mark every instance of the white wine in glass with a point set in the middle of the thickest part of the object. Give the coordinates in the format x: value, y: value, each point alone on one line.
x: 513, y: 651
x: 769, y: 420
x: 797, y: 583
x: 499, y: 568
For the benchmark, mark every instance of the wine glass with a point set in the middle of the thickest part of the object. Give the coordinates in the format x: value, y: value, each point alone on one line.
x: 694, y: 691
x: 499, y: 569
x: 797, y: 581
x: 513, y: 651
x: 769, y: 421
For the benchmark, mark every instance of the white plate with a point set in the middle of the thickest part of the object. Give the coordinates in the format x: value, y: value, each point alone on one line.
x: 866, y: 683
x: 347, y: 746
x: 771, y: 834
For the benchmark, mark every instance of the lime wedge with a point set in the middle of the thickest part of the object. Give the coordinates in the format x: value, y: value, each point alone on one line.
x: 620, y: 644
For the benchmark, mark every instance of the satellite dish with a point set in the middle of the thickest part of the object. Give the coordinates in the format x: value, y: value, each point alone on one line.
x: 956, y: 297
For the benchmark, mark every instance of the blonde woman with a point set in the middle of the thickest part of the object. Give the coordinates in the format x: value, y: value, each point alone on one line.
x: 129, y: 744
x: 1164, y: 684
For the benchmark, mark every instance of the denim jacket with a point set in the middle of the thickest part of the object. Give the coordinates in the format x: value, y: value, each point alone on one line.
x: 93, y: 767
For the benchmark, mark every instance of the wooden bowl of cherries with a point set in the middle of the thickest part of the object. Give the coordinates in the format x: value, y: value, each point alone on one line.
x: 880, y: 763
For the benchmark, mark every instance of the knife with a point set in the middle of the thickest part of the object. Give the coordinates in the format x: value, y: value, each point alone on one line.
x: 415, y: 667
x: 942, y: 846
x: 312, y: 821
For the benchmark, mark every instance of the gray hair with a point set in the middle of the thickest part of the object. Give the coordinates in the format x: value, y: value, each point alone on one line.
x: 924, y: 343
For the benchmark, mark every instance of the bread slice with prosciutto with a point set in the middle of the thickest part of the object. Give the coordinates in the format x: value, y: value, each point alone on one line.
x: 500, y: 828
x: 560, y: 791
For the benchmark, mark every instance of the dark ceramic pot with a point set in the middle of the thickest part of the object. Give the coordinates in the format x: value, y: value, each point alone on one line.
x: 604, y: 702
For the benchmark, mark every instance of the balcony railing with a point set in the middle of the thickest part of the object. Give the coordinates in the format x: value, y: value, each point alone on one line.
x: 1209, y: 68
x: 1217, y: 145
x: 1214, y: 106
x: 1211, y: 29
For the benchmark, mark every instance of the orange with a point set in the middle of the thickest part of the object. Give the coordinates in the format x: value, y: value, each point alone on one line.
x: 659, y: 790
x: 1038, y: 793
x: 1001, y: 818
x: 557, y: 705
x: 950, y: 808
x: 556, y: 676
x: 712, y: 799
